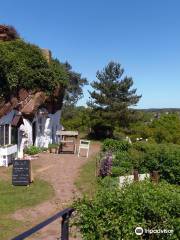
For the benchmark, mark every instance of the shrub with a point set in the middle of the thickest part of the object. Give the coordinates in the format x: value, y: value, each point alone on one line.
x: 161, y: 157
x: 101, y: 130
x: 115, y: 145
x: 53, y: 145
x: 167, y: 128
x: 22, y: 65
x: 105, y: 166
x: 114, y: 214
x: 146, y: 157
x: 32, y: 150
x: 118, y: 134
x: 122, y: 164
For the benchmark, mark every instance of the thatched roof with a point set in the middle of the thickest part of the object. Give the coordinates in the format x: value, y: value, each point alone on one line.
x: 28, y: 103
x: 8, y: 33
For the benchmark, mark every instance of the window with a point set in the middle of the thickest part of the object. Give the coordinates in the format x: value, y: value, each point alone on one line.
x: 14, y: 135
x: 1, y: 134
x: 4, y: 134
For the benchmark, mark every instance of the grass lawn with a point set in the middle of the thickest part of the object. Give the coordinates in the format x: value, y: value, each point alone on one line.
x: 13, y: 198
x: 87, y: 181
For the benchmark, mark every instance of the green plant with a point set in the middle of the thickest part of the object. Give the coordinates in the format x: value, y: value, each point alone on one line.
x: 167, y: 129
x: 115, y: 145
x: 53, y: 145
x: 161, y: 157
x: 32, y: 150
x: 22, y: 65
x: 114, y: 214
x: 44, y: 149
x: 76, y: 118
x: 146, y: 157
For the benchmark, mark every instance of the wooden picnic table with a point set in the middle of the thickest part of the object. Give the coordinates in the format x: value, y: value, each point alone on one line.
x: 65, y: 141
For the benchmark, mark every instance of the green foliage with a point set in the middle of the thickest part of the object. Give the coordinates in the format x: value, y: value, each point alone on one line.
x: 76, y: 118
x: 115, y: 145
x: 22, y: 65
x: 100, y: 130
x: 167, y: 129
x: 119, y: 134
x: 161, y: 157
x: 53, y: 145
x: 113, y: 95
x: 122, y: 164
x: 145, y: 157
x: 141, y: 130
x: 33, y: 150
x: 74, y: 90
x: 114, y: 214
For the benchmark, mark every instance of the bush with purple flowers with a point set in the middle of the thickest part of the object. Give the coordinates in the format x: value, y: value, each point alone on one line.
x: 106, y: 165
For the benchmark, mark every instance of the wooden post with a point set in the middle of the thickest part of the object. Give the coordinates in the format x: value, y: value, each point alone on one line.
x: 136, y: 175
x: 155, y: 177
x: 31, y: 172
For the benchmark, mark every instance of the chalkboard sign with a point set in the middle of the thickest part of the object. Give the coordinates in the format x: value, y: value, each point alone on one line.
x: 21, y: 172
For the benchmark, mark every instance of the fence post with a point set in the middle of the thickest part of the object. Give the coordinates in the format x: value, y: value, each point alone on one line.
x: 136, y: 175
x: 65, y: 226
x: 155, y: 177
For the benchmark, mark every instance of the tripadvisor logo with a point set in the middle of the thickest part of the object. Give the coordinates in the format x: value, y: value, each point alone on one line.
x: 139, y: 231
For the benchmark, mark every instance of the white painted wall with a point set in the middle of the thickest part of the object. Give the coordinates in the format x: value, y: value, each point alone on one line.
x: 123, y: 180
x: 50, y: 124
x: 23, y: 138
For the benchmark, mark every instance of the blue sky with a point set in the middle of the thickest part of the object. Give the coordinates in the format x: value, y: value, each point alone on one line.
x: 143, y: 35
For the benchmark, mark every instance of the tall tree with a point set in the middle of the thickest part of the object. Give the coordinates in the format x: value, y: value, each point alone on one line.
x: 113, y: 95
x: 74, y: 90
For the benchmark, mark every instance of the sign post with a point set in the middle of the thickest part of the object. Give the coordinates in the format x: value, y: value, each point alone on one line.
x: 21, y: 173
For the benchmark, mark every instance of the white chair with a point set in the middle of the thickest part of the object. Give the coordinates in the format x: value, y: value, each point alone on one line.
x: 84, y: 144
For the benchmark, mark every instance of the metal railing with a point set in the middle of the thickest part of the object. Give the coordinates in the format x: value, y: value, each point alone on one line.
x: 64, y: 235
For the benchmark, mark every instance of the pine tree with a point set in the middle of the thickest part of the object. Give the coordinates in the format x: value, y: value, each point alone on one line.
x: 113, y: 95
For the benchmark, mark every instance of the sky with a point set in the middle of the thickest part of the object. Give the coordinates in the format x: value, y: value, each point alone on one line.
x: 142, y: 35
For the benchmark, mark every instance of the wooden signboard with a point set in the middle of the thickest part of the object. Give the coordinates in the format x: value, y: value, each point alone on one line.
x: 21, y: 173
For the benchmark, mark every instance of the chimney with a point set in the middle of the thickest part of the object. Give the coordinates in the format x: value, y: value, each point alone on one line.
x: 3, y: 32
x: 47, y: 54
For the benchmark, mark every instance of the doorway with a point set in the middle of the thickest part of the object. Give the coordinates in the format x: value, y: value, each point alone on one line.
x: 34, y: 132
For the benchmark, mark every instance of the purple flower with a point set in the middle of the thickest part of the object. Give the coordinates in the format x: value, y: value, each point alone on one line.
x: 106, y: 165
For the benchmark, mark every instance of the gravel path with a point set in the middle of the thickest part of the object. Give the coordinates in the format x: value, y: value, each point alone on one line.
x: 61, y: 170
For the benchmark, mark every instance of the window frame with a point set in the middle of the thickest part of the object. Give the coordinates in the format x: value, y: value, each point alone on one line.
x: 5, y: 138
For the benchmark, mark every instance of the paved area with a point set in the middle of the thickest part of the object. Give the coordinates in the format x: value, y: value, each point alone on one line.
x: 61, y: 170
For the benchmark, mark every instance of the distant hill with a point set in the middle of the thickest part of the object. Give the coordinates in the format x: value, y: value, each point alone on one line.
x: 160, y: 110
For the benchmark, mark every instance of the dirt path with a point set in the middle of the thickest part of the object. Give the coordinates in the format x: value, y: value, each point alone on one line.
x: 61, y: 170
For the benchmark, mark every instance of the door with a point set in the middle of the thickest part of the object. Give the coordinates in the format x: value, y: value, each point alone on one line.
x: 34, y: 132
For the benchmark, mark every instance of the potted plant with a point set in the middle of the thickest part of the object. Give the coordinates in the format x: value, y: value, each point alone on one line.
x: 53, y: 147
